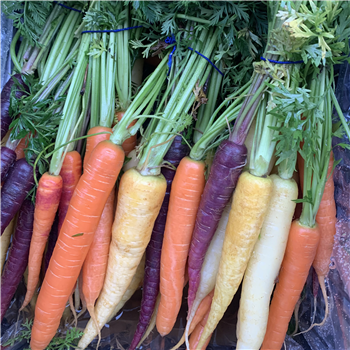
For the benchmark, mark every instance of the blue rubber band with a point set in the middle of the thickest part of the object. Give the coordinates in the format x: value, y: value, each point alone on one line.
x: 171, y: 40
x: 110, y: 30
x: 282, y: 62
x: 67, y: 7
x: 171, y: 59
x: 198, y: 53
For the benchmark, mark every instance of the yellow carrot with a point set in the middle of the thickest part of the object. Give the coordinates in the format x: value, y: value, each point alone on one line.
x: 5, y: 242
x: 135, y: 284
x: 139, y: 200
x: 249, y: 207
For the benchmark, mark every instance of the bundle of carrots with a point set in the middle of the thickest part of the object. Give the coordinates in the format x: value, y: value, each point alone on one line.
x: 109, y: 182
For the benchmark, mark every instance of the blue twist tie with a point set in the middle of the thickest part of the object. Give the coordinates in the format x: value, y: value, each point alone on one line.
x: 171, y: 40
x: 282, y: 62
x: 110, y: 30
x: 67, y: 7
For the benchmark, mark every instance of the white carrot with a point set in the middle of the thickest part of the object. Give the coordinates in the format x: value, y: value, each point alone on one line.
x: 5, y: 242
x: 210, y: 268
x: 264, y: 264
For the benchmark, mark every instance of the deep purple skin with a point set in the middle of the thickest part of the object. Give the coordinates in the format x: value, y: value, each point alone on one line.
x: 151, y: 281
x: 51, y: 243
x: 6, y: 119
x: 18, y: 256
x: 19, y: 181
x: 227, y: 166
x: 8, y: 157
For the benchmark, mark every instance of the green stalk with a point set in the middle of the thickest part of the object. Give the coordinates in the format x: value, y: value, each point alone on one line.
x: 123, y: 70
x: 150, y: 160
x: 103, y: 82
x: 121, y: 131
x: 22, y: 49
x: 95, y: 81
x: 46, y: 43
x: 41, y: 65
x: 205, y: 111
x: 47, y: 36
x: 61, y: 45
x: 192, y: 18
x: 13, y: 51
x: 95, y: 88
x: 340, y: 113
x: 315, y: 168
x: 214, y: 129
x: 53, y: 83
x: 78, y: 130
x: 110, y: 84
x: 71, y: 105
x: 246, y: 116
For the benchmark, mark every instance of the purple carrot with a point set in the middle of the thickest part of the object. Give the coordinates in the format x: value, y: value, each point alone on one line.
x: 8, y: 157
x: 19, y: 181
x: 227, y: 166
x: 18, y: 255
x: 176, y: 152
x: 6, y: 119
x: 51, y: 242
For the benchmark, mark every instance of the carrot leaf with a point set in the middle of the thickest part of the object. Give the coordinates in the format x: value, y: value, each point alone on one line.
x: 29, y: 17
x: 59, y: 342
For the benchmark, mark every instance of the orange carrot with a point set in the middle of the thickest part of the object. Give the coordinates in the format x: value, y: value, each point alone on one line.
x: 93, y: 141
x: 46, y: 203
x: 202, y: 310
x: 326, y: 220
x: 184, y: 200
x: 70, y: 173
x: 20, y: 148
x: 129, y: 144
x: 95, y: 264
x: 300, y: 253
x: 197, y: 333
x: 76, y: 236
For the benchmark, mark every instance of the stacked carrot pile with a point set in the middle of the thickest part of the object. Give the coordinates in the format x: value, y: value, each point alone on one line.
x: 112, y: 180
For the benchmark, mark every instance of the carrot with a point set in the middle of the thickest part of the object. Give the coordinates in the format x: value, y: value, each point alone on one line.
x: 46, y: 203
x: 18, y: 255
x: 87, y: 203
x: 139, y: 200
x: 130, y: 143
x: 202, y: 310
x: 51, y: 242
x: 326, y: 220
x: 70, y: 173
x: 152, y: 323
x: 93, y: 141
x: 264, y: 264
x: 134, y: 285
x: 20, y: 148
x: 197, y: 333
x: 300, y: 253
x: 249, y: 207
x: 184, y: 200
x: 5, y: 242
x: 95, y: 264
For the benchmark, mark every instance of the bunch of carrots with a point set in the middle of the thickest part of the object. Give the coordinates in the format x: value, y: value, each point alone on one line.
x: 112, y: 181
